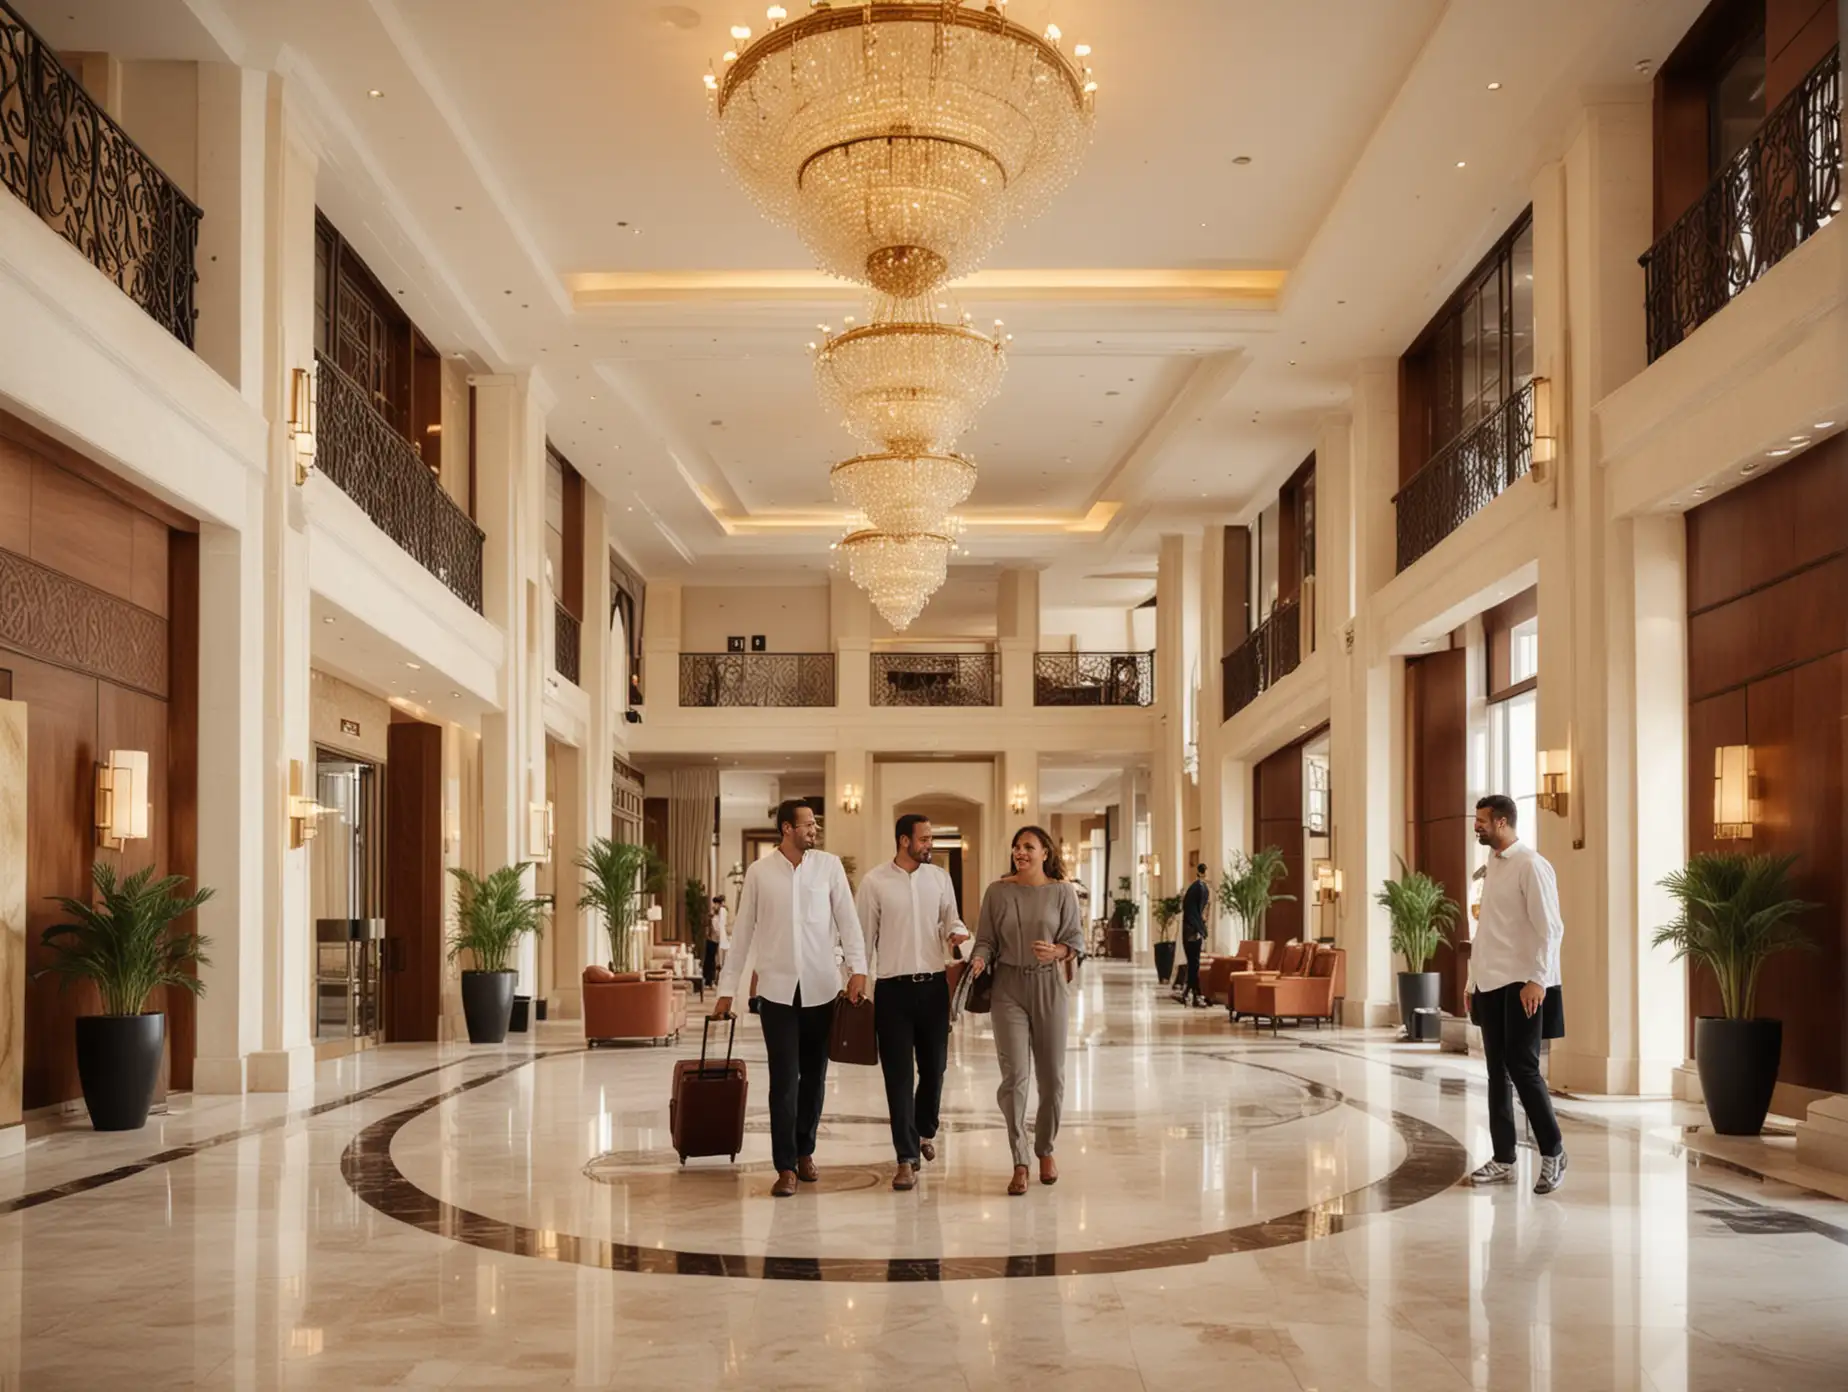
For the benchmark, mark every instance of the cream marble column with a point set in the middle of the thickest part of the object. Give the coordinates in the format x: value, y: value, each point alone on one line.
x: 1215, y: 843
x: 1167, y: 824
x: 661, y: 648
x: 850, y: 622
x: 13, y: 804
x: 857, y: 834
x: 1017, y: 637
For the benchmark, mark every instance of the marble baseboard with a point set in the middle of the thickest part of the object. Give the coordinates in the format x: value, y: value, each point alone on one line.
x: 282, y: 1070
x: 220, y: 1077
x: 12, y: 1139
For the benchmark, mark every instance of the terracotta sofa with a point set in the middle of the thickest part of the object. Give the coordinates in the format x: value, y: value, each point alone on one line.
x: 627, y: 1005
x: 1293, y: 961
x: 1313, y: 996
x: 1216, y: 973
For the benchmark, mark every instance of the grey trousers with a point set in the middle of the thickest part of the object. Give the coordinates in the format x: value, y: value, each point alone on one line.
x: 1029, y: 1025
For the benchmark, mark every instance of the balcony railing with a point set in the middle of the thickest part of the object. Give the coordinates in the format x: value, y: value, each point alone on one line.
x: 565, y: 628
x: 377, y: 468
x: 74, y: 167
x: 1770, y: 197
x: 1466, y: 476
x: 934, y: 679
x: 1270, y: 652
x: 1094, y: 679
x: 757, y: 679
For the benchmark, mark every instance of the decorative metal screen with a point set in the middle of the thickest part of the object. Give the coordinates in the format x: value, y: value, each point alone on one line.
x: 756, y: 679
x: 1094, y: 679
x: 1465, y: 476
x: 565, y: 646
x: 1270, y: 652
x: 378, y: 469
x: 1771, y: 196
x: 934, y: 679
x: 63, y: 156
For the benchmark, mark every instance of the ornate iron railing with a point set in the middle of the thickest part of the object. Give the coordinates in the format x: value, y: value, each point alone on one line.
x: 1771, y: 196
x: 935, y: 679
x: 1270, y: 652
x: 565, y: 628
x: 377, y: 468
x: 1465, y: 476
x: 1094, y: 679
x: 74, y: 167
x: 756, y: 679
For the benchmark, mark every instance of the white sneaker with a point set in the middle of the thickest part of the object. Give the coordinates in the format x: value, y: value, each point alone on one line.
x: 1492, y: 1172
x: 1552, y: 1174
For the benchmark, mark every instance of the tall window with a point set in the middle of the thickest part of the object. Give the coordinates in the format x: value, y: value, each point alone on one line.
x: 1514, y: 747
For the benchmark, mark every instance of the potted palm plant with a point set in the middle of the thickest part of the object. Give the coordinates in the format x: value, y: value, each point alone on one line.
x: 1737, y: 911
x: 618, y: 876
x: 1422, y: 916
x: 127, y: 946
x: 1167, y: 911
x: 699, y: 912
x: 493, y: 912
x: 1246, y: 890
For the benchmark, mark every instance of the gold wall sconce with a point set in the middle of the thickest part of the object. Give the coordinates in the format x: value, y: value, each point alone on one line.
x: 1735, y: 792
x: 1329, y: 884
x: 1017, y: 802
x: 304, y: 811
x: 122, y: 797
x: 303, y: 414
x: 1555, y: 781
x: 850, y: 798
x: 1546, y: 434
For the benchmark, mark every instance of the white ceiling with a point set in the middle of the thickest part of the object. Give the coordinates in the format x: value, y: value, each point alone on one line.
x: 491, y: 181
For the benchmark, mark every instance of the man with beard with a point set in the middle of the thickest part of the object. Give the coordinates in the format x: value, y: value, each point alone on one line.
x: 908, y: 913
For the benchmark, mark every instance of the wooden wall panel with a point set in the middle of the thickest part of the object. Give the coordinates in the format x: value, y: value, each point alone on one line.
x: 1768, y: 667
x: 15, y: 497
x: 1798, y: 35
x: 183, y: 774
x: 1437, y: 711
x: 1277, y: 796
x: 414, y: 881
x: 80, y: 531
x: 1235, y: 622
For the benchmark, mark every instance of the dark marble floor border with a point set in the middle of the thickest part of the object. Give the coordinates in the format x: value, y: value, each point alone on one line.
x: 1434, y: 1161
x: 83, y: 1184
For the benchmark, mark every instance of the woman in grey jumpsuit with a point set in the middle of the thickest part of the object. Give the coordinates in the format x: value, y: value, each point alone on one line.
x: 1030, y: 928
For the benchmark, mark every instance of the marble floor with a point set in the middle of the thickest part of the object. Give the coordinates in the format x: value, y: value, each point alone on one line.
x: 1271, y: 1213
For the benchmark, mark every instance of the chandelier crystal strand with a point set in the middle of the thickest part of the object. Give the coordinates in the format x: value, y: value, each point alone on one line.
x: 903, y: 493
x: 900, y: 137
x: 909, y: 382
x: 898, y: 571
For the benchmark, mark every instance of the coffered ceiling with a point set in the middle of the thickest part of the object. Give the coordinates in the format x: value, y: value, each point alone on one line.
x: 541, y: 183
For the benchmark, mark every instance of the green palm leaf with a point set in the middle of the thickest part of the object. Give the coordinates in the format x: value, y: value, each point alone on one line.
x: 618, y: 876
x: 126, y: 943
x: 1246, y: 889
x: 1736, y: 913
x: 493, y: 912
x: 1422, y: 915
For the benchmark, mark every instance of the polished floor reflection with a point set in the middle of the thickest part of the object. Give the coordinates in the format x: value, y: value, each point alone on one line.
x: 1280, y: 1213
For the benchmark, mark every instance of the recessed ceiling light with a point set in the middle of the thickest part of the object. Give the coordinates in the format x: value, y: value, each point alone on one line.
x: 1495, y: 86
x: 1747, y: 469
x: 1799, y: 439
x: 1825, y: 425
x: 1461, y: 164
x: 1424, y: 642
x: 455, y: 695
x: 374, y: 92
x: 415, y: 666
x: 1241, y: 159
x: 1777, y: 453
x: 327, y: 618
x: 1698, y: 491
x: 1643, y: 65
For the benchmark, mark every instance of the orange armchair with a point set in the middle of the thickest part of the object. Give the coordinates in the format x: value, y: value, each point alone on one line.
x: 1311, y: 996
x: 627, y: 1005
x: 1294, y: 962
x: 1216, y: 973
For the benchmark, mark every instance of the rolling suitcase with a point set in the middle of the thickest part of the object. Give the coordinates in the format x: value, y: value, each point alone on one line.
x: 705, y: 1115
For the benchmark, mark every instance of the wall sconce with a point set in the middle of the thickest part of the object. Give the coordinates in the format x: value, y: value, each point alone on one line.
x: 541, y: 828
x: 850, y: 798
x: 302, y: 420
x: 1065, y: 853
x: 122, y: 798
x: 1546, y: 436
x: 304, y: 811
x: 1735, y: 792
x: 1328, y: 883
x: 1149, y: 865
x: 1555, y: 785
x: 1017, y: 802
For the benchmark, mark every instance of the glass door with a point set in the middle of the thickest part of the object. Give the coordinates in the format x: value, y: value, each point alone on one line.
x: 346, y: 896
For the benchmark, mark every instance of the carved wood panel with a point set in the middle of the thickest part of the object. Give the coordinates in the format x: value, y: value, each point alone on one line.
x: 65, y: 621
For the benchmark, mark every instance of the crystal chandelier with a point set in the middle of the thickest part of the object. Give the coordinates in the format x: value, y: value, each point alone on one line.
x: 907, y: 383
x: 901, y: 136
x: 903, y: 493
x: 898, y: 571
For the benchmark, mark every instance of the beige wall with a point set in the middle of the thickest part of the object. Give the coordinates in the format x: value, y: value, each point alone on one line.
x: 330, y: 701
x: 793, y: 618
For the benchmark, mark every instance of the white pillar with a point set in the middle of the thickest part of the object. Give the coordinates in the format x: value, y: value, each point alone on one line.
x: 1017, y: 638
x: 232, y: 114
x: 1167, y: 822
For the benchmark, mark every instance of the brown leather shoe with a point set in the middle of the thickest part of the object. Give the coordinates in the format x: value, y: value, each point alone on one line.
x: 805, y: 1169
x: 928, y: 1149
x: 1018, y: 1184
x: 906, y: 1178
x: 1049, y: 1170
x: 785, y: 1185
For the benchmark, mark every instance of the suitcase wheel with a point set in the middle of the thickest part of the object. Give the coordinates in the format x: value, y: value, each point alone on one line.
x: 683, y: 1157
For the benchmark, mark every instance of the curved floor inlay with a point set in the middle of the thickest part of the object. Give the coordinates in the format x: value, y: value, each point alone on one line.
x: 1433, y: 1162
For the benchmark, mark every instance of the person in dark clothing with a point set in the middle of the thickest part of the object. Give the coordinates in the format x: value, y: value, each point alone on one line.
x: 1194, y: 907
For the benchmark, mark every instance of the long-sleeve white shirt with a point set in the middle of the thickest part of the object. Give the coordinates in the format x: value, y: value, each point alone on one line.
x: 1517, y: 937
x: 790, y: 917
x: 909, y: 918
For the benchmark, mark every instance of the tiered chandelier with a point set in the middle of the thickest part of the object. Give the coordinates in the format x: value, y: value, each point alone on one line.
x: 900, y: 137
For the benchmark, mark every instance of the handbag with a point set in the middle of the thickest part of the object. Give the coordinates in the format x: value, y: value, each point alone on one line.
x: 852, y: 1037
x: 981, y: 998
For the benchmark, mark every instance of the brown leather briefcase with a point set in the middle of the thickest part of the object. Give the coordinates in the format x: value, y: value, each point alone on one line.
x: 852, y: 1039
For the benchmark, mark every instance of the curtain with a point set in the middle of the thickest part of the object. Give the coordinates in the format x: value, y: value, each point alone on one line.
x: 692, y: 795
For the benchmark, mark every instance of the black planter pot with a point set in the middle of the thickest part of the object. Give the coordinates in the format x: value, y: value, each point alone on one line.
x: 1737, y: 1061
x: 118, y: 1061
x: 1417, y: 991
x: 487, y: 1001
x: 1164, y: 961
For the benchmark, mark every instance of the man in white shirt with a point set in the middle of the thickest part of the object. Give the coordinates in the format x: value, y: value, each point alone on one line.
x: 716, y: 941
x: 908, y: 912
x: 795, y: 907
x: 1514, y: 991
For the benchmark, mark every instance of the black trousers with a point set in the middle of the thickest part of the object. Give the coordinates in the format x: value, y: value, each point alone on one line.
x: 796, y: 1038
x: 1191, y: 946
x: 1511, y: 1048
x: 712, y: 962
x: 912, y: 1019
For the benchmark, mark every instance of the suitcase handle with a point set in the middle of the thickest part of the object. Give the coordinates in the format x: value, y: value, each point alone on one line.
x: 705, y: 1033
